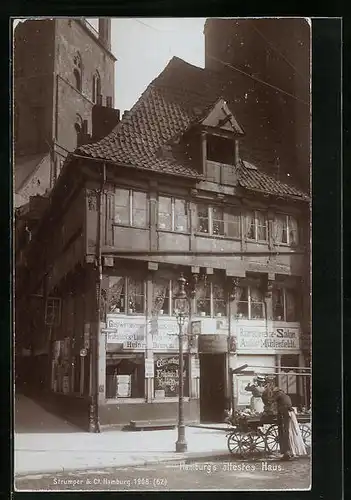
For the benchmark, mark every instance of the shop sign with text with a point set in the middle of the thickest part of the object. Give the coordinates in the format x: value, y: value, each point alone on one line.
x: 165, y: 334
x: 129, y: 332
x: 268, y: 338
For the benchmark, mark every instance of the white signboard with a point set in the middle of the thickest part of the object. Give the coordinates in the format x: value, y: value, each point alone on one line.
x: 131, y: 331
x: 123, y: 386
x: 149, y: 368
x: 244, y: 397
x: 270, y: 337
x: 165, y: 334
x: 128, y: 331
x: 195, y: 367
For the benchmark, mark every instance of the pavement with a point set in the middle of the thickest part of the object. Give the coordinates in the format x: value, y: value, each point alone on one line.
x: 45, y: 443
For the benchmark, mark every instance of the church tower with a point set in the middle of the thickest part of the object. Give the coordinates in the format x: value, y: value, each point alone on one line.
x: 267, y: 62
x: 63, y: 96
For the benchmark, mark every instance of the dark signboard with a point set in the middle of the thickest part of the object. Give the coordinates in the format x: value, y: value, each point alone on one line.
x: 166, y: 376
x: 213, y: 343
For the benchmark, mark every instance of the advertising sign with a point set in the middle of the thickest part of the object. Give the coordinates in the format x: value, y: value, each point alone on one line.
x: 267, y: 337
x: 149, y: 368
x: 243, y: 397
x: 130, y: 332
x: 167, y: 375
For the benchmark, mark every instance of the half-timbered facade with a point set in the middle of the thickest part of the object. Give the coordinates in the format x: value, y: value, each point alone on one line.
x: 170, y: 183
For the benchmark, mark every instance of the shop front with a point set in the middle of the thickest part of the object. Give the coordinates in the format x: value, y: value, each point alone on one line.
x: 139, y: 371
x: 272, y: 349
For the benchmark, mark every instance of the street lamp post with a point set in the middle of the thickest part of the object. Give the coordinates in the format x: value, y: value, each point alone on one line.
x: 181, y: 306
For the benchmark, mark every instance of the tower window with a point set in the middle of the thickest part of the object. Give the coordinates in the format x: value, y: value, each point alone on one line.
x: 78, y: 126
x: 77, y: 71
x: 96, y: 87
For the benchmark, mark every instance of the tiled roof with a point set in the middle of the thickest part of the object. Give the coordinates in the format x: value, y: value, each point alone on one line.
x: 179, y: 97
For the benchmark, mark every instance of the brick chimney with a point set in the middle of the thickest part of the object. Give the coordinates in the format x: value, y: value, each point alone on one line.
x: 105, y: 32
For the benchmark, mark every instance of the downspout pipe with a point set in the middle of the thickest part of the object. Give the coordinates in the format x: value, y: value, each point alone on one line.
x: 94, y: 422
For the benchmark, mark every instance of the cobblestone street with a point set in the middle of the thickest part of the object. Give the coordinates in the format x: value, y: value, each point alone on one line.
x: 219, y: 475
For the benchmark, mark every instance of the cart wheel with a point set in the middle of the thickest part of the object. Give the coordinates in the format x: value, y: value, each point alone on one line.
x: 258, y: 442
x: 246, y: 443
x: 306, y: 434
x: 272, y: 439
x: 239, y: 443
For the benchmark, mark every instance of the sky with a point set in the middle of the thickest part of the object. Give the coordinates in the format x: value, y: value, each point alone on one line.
x: 144, y: 46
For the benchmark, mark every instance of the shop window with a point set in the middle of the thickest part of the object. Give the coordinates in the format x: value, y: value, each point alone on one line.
x: 251, y: 303
x: 125, y: 295
x: 286, y: 230
x: 136, y: 296
x: 166, y: 376
x: 256, y: 226
x: 116, y: 294
x: 219, y: 302
x: 53, y: 311
x: 284, y: 304
x: 203, y: 298
x: 217, y: 221
x: 125, y: 376
x: 164, y: 297
x: 172, y: 214
x: 131, y: 208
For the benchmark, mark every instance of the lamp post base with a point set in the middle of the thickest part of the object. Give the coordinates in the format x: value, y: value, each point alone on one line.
x: 181, y: 444
x: 94, y: 424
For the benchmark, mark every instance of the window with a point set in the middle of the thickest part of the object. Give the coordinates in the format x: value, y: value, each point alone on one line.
x: 251, y: 303
x: 164, y: 293
x: 166, y: 379
x: 217, y: 221
x: 286, y: 230
x: 203, y: 298
x: 77, y: 71
x: 78, y: 127
x: 220, y: 149
x: 203, y: 218
x: 256, y: 226
x: 96, y: 87
x: 53, y: 311
x: 131, y: 208
x: 125, y: 376
x: 210, y: 298
x: 126, y: 295
x: 136, y: 296
x: 219, y: 302
x: 77, y: 80
x: 172, y: 214
x: 284, y: 304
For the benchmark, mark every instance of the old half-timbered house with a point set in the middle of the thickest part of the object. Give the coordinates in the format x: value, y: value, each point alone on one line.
x: 170, y: 177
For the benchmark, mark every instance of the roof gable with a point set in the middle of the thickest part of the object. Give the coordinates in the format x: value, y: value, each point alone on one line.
x: 220, y: 116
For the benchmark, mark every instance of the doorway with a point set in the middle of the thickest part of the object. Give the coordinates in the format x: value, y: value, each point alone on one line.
x: 212, y: 387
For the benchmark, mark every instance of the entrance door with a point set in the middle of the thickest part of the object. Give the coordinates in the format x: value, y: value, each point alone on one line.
x: 212, y: 387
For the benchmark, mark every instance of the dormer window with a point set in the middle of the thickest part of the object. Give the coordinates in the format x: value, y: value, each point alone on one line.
x: 220, y: 160
x: 220, y: 149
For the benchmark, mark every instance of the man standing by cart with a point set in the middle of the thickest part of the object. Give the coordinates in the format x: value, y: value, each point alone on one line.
x: 284, y: 405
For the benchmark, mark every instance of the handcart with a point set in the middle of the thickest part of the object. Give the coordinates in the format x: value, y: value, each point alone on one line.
x: 259, y: 434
